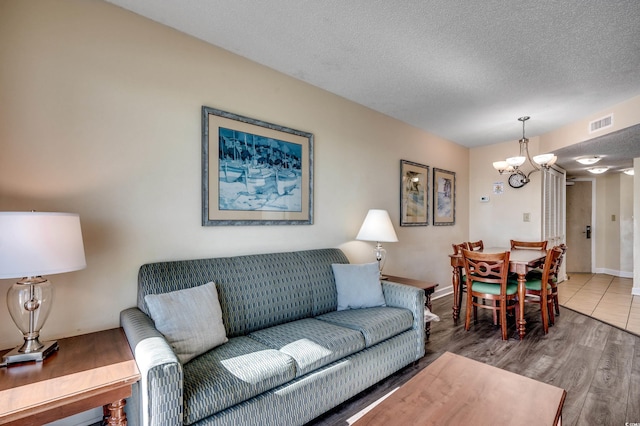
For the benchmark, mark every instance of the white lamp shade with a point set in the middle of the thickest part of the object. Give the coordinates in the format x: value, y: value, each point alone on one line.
x: 500, y: 165
x: 516, y: 161
x: 38, y: 243
x: 377, y: 226
x: 544, y: 159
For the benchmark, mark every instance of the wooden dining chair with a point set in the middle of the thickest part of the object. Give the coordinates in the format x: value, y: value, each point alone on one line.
x: 476, y: 245
x: 457, y: 250
x: 487, y: 280
x: 554, y: 279
x: 528, y: 245
x: 540, y: 290
x: 537, y: 274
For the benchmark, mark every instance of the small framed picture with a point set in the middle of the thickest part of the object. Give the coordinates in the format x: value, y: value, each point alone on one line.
x: 444, y: 197
x: 414, y: 194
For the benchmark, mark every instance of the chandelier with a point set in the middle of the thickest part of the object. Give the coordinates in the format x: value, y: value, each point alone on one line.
x: 512, y: 164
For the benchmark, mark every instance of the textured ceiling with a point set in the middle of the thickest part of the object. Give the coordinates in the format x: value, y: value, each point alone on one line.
x: 463, y: 70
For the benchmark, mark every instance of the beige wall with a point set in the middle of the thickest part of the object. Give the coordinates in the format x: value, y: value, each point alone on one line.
x: 502, y: 218
x: 626, y: 114
x: 100, y: 115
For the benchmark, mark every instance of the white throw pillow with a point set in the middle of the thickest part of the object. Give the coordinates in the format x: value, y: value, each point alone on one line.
x: 190, y: 319
x: 358, y: 286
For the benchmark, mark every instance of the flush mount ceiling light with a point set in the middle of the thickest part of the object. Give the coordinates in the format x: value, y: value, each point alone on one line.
x: 512, y: 164
x: 587, y: 161
x: 629, y: 172
x: 597, y: 170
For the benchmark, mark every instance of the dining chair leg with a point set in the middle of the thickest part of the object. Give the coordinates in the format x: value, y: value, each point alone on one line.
x: 503, y: 317
x: 467, y: 314
x: 544, y: 308
x: 495, y: 312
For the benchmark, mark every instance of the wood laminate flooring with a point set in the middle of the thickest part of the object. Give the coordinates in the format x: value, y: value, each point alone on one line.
x: 596, y: 363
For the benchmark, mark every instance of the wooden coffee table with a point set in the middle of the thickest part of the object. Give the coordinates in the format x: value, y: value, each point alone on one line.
x: 455, y: 390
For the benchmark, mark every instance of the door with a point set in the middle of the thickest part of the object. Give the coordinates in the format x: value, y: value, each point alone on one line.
x: 579, y: 226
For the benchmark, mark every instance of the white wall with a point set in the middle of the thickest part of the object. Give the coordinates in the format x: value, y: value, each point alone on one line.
x: 626, y: 225
x: 636, y: 227
x: 100, y: 115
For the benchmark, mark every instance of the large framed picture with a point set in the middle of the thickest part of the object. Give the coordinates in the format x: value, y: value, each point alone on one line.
x: 254, y: 172
x: 444, y: 197
x: 414, y: 194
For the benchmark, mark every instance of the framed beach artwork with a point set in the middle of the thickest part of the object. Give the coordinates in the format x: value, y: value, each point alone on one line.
x: 254, y: 172
x: 444, y: 197
x: 414, y: 194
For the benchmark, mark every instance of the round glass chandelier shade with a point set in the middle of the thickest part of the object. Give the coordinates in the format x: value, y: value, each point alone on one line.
x: 500, y: 165
x: 516, y: 161
x: 544, y: 159
x: 29, y: 302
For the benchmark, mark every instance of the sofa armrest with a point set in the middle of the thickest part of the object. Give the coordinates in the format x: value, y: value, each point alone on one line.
x: 158, y: 399
x: 411, y: 298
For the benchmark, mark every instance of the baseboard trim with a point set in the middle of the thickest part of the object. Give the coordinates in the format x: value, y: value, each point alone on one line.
x: 441, y: 292
x: 621, y: 274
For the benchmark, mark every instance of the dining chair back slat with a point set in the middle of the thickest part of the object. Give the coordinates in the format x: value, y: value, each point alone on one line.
x: 476, y: 245
x: 528, y: 245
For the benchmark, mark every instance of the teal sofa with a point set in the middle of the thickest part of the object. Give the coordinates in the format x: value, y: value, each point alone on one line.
x: 290, y: 355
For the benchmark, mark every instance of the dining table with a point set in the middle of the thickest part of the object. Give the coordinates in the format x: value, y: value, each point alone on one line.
x: 520, y: 262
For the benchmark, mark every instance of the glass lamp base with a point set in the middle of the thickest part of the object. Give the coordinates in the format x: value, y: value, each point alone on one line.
x: 39, y: 355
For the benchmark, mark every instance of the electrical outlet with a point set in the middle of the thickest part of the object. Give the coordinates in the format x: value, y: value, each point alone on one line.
x: 526, y: 217
x: 613, y: 218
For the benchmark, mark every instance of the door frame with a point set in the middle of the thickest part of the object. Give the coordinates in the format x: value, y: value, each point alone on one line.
x: 593, y: 217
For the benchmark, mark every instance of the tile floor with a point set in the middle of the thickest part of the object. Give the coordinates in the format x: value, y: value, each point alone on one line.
x: 604, y: 297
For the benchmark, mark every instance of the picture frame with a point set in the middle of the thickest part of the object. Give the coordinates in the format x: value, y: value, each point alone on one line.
x: 414, y: 194
x: 444, y: 197
x: 254, y: 172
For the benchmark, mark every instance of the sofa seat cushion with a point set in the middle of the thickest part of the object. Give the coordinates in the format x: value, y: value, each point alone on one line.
x: 311, y: 343
x: 375, y: 324
x: 231, y: 373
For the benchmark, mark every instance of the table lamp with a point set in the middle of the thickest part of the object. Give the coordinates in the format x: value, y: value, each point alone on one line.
x: 33, y: 244
x: 377, y: 227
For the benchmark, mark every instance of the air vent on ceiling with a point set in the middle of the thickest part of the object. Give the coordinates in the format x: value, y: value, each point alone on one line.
x: 601, y: 123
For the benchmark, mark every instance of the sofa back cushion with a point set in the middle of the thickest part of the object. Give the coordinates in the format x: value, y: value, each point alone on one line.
x: 255, y: 291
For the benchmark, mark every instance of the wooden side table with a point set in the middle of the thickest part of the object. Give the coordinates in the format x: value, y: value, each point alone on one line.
x: 88, y: 371
x: 428, y: 288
